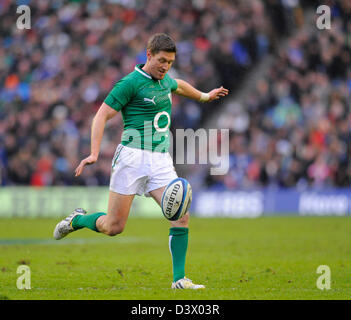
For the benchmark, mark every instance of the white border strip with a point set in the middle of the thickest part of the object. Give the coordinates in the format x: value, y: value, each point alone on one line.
x: 142, y: 72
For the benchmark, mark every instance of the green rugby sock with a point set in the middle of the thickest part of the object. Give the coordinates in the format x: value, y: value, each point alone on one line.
x: 86, y: 221
x: 178, y: 245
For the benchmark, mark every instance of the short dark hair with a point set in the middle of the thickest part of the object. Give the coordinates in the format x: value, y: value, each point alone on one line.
x: 161, y: 42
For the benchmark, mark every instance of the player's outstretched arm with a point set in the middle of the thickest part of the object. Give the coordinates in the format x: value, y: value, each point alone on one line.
x: 185, y: 89
x: 104, y: 113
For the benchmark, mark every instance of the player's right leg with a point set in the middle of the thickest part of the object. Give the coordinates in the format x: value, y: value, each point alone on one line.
x: 126, y: 180
x: 64, y: 227
x: 117, y: 214
x: 110, y: 224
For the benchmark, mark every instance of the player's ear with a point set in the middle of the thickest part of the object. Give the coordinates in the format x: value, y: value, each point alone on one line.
x: 148, y: 54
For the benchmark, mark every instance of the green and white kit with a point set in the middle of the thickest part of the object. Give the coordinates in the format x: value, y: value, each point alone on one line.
x: 145, y: 104
x: 141, y: 162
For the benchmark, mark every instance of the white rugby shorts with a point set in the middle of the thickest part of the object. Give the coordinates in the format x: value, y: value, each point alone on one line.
x: 137, y: 171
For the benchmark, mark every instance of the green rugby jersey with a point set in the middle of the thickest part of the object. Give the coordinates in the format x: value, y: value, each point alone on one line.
x: 145, y: 104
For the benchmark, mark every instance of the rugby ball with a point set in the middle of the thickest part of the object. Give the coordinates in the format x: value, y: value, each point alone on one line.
x: 176, y: 199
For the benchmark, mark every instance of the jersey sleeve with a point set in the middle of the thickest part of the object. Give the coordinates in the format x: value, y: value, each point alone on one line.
x: 120, y: 95
x: 174, y: 84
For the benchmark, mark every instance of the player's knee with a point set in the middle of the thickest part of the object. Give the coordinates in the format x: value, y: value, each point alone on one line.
x: 182, y: 222
x: 185, y: 219
x: 115, y: 229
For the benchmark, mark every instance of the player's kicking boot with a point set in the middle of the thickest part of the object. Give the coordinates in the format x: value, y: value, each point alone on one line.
x: 64, y: 227
x: 186, y: 283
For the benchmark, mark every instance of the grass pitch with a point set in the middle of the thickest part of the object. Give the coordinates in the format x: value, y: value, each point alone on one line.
x: 263, y: 258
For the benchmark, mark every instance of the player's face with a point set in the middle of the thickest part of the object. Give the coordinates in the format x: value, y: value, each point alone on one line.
x: 160, y: 63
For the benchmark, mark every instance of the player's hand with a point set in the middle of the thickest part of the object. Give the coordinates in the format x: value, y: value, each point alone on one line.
x: 88, y: 160
x: 217, y: 93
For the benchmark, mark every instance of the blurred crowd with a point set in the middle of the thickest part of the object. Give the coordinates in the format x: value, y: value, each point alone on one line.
x: 55, y: 75
x: 292, y: 130
x: 295, y: 128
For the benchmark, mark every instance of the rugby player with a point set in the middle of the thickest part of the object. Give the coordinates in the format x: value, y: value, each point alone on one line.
x: 141, y: 164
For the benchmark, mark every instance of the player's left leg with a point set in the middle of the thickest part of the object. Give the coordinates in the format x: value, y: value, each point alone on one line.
x: 178, y: 246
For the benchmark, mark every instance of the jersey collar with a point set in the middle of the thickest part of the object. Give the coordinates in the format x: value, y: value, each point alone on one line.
x: 138, y: 68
